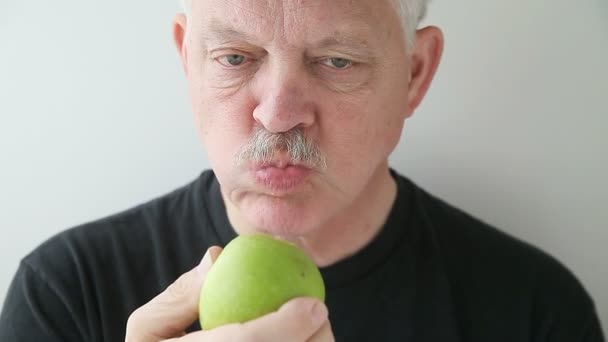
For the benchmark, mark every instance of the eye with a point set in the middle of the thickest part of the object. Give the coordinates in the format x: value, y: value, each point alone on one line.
x: 337, y: 63
x: 232, y: 60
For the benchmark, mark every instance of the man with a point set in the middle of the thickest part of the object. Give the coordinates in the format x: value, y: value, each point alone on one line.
x: 299, y: 104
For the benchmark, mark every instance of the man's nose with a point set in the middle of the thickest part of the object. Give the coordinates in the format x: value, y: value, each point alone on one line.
x: 284, y: 101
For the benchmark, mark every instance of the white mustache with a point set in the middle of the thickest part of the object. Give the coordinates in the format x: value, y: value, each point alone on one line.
x: 264, y: 146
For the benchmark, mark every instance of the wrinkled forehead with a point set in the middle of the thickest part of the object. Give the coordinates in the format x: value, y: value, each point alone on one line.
x: 295, y: 20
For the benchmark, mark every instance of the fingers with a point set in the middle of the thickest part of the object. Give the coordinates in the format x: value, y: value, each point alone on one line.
x: 324, y: 334
x: 297, y: 320
x: 166, y: 316
x: 171, y: 312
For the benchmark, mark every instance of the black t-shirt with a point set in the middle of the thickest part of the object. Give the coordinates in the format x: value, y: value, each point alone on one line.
x: 433, y: 274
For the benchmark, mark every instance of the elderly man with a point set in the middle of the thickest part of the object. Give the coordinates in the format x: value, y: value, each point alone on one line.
x: 299, y: 104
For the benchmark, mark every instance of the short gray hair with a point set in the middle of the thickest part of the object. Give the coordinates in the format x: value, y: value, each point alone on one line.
x: 411, y: 12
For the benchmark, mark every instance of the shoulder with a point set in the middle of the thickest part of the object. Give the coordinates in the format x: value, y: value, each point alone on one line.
x: 134, y: 234
x: 495, y: 277
x: 468, y: 242
x: 102, y: 270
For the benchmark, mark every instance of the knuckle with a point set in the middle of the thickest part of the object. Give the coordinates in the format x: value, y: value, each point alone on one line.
x: 134, y: 322
x: 134, y: 318
x: 296, y: 309
x: 182, y: 286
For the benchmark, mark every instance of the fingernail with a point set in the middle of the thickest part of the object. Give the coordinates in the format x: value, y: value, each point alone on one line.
x: 319, y: 313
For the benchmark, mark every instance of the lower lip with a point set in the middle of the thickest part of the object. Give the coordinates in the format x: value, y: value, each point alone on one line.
x: 281, y: 180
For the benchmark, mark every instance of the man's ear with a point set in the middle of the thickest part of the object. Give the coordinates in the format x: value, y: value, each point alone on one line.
x: 424, y: 61
x: 180, y: 24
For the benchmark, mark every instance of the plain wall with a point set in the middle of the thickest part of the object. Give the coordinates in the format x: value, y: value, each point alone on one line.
x: 95, y: 119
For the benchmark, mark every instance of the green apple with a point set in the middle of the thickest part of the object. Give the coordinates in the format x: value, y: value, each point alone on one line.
x: 253, y: 276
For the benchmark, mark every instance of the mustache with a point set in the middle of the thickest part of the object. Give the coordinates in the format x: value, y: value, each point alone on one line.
x: 263, y: 146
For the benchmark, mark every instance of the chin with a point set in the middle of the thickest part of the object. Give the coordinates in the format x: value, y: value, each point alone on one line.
x: 282, y: 217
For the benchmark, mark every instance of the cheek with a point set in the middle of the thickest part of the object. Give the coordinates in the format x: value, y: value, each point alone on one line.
x: 382, y: 115
x: 224, y: 125
x: 363, y: 127
x: 358, y: 135
x: 345, y: 138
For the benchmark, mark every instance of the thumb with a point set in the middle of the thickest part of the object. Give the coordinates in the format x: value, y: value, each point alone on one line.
x: 171, y: 312
x: 300, y: 319
x: 297, y: 320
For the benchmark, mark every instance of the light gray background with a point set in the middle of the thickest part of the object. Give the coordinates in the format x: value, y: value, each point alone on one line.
x: 95, y: 119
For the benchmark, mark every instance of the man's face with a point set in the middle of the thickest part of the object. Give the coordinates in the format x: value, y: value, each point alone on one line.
x: 335, y: 71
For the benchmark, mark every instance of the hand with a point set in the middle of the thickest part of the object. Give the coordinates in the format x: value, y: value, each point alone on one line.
x: 166, y: 316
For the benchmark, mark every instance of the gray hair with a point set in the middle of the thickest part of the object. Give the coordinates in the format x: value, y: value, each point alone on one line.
x: 411, y: 12
x: 264, y: 145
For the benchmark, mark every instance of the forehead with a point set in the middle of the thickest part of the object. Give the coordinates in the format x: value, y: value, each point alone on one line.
x: 296, y: 20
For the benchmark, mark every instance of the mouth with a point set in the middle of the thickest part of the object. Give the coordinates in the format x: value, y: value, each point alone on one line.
x: 280, y: 177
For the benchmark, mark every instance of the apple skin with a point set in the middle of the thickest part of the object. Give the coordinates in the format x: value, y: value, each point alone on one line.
x: 253, y: 276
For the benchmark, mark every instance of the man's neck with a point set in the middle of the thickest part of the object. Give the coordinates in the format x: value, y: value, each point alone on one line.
x: 351, y: 229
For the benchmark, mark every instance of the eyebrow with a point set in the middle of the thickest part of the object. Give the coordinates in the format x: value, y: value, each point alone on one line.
x: 349, y: 41
x: 346, y: 42
x: 341, y: 39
